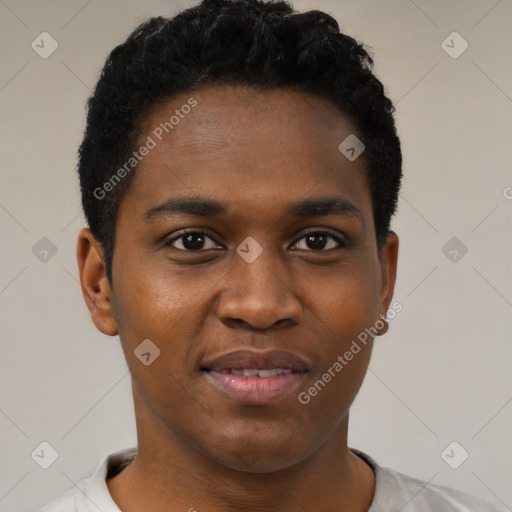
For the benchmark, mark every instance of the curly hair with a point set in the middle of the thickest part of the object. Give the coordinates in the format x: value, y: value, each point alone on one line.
x: 263, y: 44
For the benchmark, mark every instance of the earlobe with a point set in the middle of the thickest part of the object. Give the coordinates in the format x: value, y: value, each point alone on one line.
x: 389, y: 259
x: 382, y: 325
x: 94, y: 283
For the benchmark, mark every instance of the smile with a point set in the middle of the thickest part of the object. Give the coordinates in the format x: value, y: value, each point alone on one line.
x: 267, y: 386
x: 256, y: 377
x: 259, y: 373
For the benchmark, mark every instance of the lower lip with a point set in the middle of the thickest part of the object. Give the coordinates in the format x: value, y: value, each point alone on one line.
x: 256, y: 390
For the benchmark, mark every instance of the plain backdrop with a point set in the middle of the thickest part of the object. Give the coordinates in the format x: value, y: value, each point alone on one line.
x: 440, y: 375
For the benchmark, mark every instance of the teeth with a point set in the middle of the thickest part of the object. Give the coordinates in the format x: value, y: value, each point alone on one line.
x: 250, y: 373
x: 268, y: 373
x: 275, y: 372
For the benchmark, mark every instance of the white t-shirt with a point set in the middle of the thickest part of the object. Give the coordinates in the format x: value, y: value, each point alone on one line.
x: 393, y: 491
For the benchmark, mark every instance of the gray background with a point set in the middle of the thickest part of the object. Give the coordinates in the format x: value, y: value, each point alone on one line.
x: 441, y: 374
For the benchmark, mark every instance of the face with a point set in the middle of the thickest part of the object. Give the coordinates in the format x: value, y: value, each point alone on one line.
x: 268, y: 261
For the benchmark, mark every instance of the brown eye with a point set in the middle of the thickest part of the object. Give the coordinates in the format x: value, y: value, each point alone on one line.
x: 320, y: 241
x: 191, y: 241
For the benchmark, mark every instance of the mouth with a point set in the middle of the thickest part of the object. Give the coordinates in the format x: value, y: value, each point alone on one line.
x: 256, y: 372
x: 254, y: 377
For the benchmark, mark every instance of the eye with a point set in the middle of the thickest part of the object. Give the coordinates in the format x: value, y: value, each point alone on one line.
x: 191, y: 241
x: 195, y: 241
x: 319, y: 241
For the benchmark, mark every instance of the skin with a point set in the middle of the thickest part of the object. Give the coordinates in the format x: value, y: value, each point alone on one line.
x: 257, y: 153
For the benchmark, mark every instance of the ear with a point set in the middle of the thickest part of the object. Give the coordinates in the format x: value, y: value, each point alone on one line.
x: 93, y: 279
x: 388, y: 258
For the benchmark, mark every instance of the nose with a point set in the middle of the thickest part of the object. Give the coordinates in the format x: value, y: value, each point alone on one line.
x: 259, y: 294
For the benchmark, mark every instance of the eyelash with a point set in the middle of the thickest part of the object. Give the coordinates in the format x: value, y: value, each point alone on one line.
x: 341, y: 243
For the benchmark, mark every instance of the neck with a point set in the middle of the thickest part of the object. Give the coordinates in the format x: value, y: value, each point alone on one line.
x: 170, y: 474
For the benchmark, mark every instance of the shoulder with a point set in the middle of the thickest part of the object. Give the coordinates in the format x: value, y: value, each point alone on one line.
x: 91, y: 494
x: 65, y: 503
x: 396, y: 491
x: 418, y: 495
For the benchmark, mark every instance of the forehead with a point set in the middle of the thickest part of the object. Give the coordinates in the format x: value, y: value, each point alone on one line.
x: 252, y: 151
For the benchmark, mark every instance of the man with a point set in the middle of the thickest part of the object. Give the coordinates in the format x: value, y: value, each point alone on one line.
x: 239, y: 171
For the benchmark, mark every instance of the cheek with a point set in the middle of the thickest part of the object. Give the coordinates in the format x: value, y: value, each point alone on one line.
x: 345, y: 350
x: 153, y: 303
x: 151, y: 307
x: 333, y: 388
x: 345, y: 300
x: 346, y: 309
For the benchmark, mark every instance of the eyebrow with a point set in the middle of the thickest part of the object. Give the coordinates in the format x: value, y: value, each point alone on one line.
x: 201, y: 207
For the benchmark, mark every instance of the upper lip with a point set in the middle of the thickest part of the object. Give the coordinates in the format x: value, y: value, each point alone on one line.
x: 250, y: 359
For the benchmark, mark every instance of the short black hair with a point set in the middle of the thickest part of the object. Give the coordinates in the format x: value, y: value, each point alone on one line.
x: 263, y: 44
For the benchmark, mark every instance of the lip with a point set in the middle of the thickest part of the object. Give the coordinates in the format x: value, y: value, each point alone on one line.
x: 243, y: 359
x: 256, y: 389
